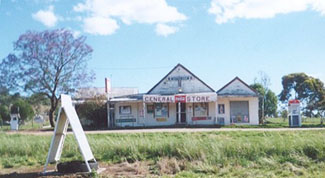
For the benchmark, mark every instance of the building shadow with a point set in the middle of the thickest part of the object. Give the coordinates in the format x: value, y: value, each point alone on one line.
x: 21, y: 175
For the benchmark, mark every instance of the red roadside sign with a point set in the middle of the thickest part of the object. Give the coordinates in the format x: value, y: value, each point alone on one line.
x: 294, y: 102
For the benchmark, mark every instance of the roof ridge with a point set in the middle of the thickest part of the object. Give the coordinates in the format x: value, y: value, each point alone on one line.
x: 180, y: 65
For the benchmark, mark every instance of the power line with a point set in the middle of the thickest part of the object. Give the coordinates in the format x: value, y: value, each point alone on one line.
x: 131, y: 68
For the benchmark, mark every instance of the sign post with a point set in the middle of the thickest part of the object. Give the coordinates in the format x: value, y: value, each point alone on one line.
x: 294, y: 113
x: 67, y: 114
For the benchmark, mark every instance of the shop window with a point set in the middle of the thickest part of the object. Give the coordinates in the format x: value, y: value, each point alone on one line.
x: 201, y: 109
x: 150, y: 109
x: 239, y: 112
x: 125, y: 110
x: 221, y: 108
x: 161, y: 110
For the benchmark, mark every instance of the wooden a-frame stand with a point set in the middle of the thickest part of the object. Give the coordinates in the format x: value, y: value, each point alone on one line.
x: 67, y: 114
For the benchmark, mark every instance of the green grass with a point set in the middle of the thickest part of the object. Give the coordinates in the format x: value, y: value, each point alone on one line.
x: 281, y: 123
x: 270, y: 123
x: 28, y: 126
x: 227, y: 154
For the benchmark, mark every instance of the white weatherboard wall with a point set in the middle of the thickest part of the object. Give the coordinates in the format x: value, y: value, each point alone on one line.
x: 252, y: 106
x: 133, y: 115
x: 137, y: 113
x: 236, y: 88
x: 212, y: 115
x: 150, y: 120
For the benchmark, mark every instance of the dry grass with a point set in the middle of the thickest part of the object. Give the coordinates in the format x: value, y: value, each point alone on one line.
x: 222, y: 154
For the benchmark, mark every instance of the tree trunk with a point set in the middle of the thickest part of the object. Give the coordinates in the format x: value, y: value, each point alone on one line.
x: 54, y: 104
x: 262, y: 112
x: 51, y: 116
x: 321, y: 121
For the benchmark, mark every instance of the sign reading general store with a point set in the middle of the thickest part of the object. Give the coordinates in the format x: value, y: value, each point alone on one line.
x: 188, y: 98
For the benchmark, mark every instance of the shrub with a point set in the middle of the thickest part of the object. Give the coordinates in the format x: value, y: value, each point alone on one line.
x: 93, y: 113
x: 284, y: 114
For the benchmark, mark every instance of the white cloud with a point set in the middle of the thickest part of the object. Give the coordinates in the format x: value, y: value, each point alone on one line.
x: 100, y: 25
x: 47, y: 17
x: 165, y: 30
x: 227, y: 10
x: 129, y: 12
x: 76, y: 33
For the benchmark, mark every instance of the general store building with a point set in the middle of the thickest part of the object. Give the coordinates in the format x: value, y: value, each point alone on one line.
x: 182, y: 98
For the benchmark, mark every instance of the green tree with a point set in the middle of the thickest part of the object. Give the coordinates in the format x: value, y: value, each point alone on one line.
x: 322, y: 111
x: 5, y: 97
x: 270, y: 101
x: 4, y: 112
x: 284, y: 114
x: 38, y: 100
x: 271, y: 104
x: 261, y: 92
x: 309, y: 90
x: 25, y: 109
x: 14, y: 102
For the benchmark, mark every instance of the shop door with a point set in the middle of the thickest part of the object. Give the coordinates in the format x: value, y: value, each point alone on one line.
x: 182, y: 112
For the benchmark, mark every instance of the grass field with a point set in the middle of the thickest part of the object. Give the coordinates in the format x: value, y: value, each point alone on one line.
x: 224, y: 154
x: 270, y: 123
x: 29, y: 125
x: 281, y: 123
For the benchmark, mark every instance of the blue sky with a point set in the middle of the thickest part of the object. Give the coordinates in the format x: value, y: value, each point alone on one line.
x: 137, y: 42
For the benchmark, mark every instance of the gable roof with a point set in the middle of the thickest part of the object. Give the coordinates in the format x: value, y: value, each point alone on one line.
x: 180, y: 65
x: 241, y: 81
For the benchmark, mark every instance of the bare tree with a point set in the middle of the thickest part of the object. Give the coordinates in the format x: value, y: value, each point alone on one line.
x: 265, y: 81
x: 49, y: 63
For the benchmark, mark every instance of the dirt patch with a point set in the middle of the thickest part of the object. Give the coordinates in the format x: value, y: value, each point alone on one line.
x: 136, y: 169
x: 170, y: 166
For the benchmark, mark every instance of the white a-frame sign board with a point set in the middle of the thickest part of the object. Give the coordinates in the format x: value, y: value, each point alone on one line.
x: 67, y: 114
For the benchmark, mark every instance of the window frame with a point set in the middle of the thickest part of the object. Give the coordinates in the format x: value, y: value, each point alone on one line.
x: 152, y: 110
x: 242, y: 119
x: 162, y: 115
x: 207, y: 110
x: 120, y: 110
x: 224, y: 109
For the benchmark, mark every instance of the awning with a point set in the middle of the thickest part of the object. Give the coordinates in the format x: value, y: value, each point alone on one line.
x: 124, y: 100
